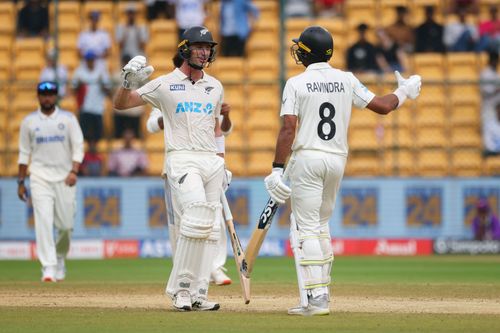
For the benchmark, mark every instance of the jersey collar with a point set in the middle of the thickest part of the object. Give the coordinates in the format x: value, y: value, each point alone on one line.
x: 318, y: 65
x: 52, y: 116
x: 183, y: 76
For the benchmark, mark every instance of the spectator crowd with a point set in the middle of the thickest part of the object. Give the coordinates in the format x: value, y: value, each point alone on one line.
x: 378, y: 50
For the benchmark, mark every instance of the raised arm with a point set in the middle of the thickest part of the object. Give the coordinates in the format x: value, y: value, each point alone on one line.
x: 407, y: 88
x: 383, y: 104
x: 133, y: 74
x: 126, y: 99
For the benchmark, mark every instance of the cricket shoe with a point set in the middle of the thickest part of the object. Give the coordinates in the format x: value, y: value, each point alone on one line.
x: 204, y: 305
x: 317, y: 306
x: 182, y: 301
x: 60, y: 269
x: 219, y: 277
x: 49, y: 274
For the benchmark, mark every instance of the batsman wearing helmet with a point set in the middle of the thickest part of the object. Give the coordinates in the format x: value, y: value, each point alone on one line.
x: 190, y: 101
x: 218, y: 276
x: 317, y: 103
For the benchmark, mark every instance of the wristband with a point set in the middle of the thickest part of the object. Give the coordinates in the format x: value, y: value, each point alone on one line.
x: 125, y: 83
x: 401, y: 95
x: 278, y: 165
x: 20, y: 181
x: 220, y: 142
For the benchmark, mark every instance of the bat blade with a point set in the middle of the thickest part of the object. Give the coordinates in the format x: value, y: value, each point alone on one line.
x: 239, y: 254
x: 241, y: 264
x: 258, y: 235
x: 245, y: 286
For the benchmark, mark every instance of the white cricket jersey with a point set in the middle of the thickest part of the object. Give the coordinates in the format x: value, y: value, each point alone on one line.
x: 189, y: 110
x: 52, y: 142
x: 153, y: 127
x: 322, y: 97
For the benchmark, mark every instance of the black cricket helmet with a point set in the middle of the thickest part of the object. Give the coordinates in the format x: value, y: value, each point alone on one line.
x: 315, y: 44
x: 196, y: 34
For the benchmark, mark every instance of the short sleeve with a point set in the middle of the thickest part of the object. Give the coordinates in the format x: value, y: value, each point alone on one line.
x: 288, y: 101
x: 149, y: 92
x: 361, y: 96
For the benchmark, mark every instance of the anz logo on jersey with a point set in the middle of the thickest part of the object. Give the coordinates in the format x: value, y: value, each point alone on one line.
x: 194, y: 107
x: 49, y: 139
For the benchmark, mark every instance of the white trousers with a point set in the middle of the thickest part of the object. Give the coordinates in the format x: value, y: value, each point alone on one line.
x: 173, y: 218
x: 315, y: 179
x: 54, y: 205
x: 193, y: 177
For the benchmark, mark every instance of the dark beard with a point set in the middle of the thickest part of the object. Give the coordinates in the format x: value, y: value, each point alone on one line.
x: 47, y: 107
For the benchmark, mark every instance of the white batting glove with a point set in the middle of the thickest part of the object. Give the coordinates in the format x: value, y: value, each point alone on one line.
x: 407, y: 88
x: 228, y: 176
x: 412, y: 84
x: 275, y: 186
x: 136, y: 72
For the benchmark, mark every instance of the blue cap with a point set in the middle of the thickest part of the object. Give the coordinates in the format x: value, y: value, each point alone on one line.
x: 90, y: 55
x: 95, y: 14
x: 47, y: 87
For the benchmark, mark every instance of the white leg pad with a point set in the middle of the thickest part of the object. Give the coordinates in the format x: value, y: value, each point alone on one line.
x: 216, y: 226
x: 200, y: 289
x: 326, y: 248
x: 208, y: 257
x: 195, y: 229
x: 198, y: 220
x: 186, y: 266
x: 314, y: 263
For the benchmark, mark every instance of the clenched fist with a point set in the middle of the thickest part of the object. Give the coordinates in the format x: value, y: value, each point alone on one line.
x: 410, y: 86
x: 135, y: 72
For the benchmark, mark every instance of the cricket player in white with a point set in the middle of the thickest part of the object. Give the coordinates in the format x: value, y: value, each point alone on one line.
x: 319, y: 100
x: 52, y: 139
x: 190, y: 101
x: 218, y: 276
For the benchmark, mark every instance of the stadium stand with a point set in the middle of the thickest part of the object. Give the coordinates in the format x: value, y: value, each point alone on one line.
x: 438, y: 135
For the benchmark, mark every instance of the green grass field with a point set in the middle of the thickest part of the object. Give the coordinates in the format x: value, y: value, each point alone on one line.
x: 370, y: 294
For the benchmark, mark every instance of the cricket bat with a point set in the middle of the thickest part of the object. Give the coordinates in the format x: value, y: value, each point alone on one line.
x: 239, y: 254
x: 258, y: 235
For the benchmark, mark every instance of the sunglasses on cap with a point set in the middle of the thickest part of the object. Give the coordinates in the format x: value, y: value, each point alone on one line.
x: 47, y: 87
